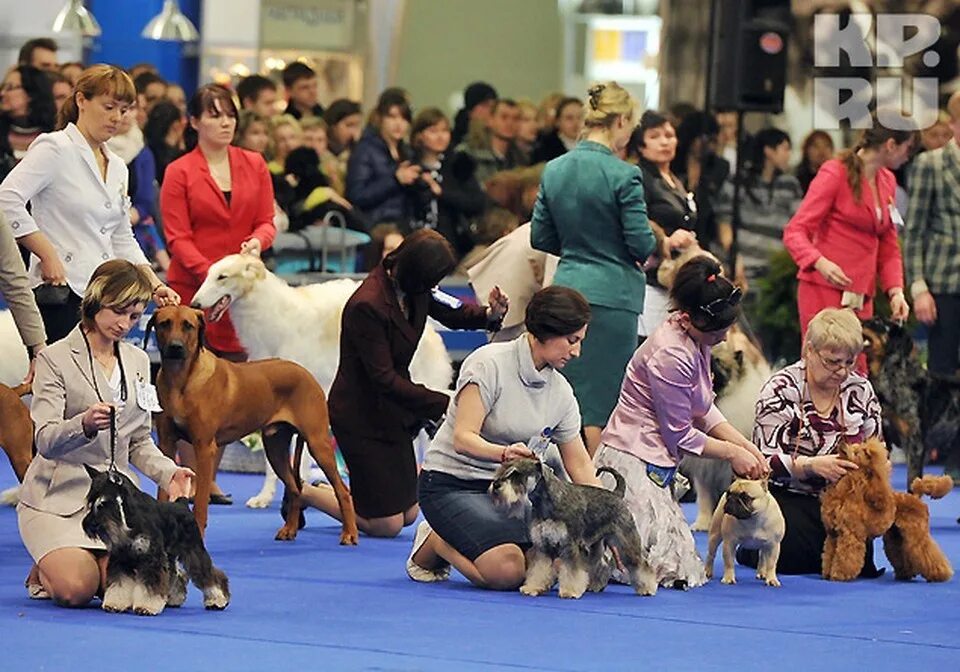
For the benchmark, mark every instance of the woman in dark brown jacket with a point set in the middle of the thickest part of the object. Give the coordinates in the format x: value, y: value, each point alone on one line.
x: 375, y: 409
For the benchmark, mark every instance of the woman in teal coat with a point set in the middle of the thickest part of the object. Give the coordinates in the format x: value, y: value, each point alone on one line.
x: 592, y: 213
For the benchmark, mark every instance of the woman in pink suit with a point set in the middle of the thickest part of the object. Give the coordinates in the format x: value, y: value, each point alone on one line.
x: 845, y: 232
x: 216, y: 200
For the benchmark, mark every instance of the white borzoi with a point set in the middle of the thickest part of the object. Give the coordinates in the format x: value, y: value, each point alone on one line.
x: 300, y: 324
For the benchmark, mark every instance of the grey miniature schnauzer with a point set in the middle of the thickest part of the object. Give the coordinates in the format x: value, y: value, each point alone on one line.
x: 571, y: 526
x: 145, y: 540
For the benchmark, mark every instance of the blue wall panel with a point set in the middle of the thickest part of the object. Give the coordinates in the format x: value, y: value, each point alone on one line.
x: 121, y: 44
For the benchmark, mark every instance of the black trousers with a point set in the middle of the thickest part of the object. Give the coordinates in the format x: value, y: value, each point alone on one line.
x: 59, y: 320
x: 801, y: 550
x: 944, y: 356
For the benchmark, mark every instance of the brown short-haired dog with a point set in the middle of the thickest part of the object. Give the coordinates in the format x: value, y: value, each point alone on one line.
x: 210, y: 402
x: 856, y: 509
x: 16, y: 428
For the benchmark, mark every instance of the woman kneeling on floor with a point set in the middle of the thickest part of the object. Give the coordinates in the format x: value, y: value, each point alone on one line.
x: 507, y: 394
x: 666, y: 409
x: 805, y: 411
x: 79, y: 380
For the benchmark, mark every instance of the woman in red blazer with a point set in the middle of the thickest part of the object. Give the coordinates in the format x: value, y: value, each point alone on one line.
x: 215, y: 200
x: 845, y: 232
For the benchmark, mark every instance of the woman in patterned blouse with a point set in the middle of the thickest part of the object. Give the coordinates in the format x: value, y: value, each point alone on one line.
x: 805, y: 411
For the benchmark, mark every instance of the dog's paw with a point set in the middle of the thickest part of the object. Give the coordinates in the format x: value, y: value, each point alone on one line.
x: 772, y: 581
x: 570, y: 594
x: 10, y: 496
x: 728, y: 579
x: 348, y: 538
x: 260, y: 501
x: 149, y: 605
x: 177, y: 594
x: 118, y: 597
x: 701, y: 524
x: 216, y: 598
x: 532, y: 591
x: 708, y: 570
x: 286, y: 533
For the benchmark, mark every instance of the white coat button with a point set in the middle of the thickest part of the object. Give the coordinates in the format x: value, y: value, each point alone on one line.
x: 68, y: 258
x: 104, y: 256
x: 103, y: 230
x: 107, y: 205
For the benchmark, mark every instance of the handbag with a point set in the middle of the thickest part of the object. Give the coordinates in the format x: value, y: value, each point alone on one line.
x: 52, y: 295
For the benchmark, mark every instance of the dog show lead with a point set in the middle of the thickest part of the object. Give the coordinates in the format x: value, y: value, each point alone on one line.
x: 70, y: 432
x: 805, y: 413
x: 666, y: 409
x: 506, y: 394
x: 77, y: 191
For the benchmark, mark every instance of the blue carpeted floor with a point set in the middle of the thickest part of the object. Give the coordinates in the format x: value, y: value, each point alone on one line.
x: 313, y: 603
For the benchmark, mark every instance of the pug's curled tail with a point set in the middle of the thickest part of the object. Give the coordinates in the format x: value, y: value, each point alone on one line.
x: 621, y: 484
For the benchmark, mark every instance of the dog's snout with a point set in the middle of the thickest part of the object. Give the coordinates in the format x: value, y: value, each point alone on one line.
x: 195, y: 304
x: 175, y: 350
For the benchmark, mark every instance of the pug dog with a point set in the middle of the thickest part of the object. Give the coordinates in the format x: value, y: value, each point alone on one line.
x: 747, y: 515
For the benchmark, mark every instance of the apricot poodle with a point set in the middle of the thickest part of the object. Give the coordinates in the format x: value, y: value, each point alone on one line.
x: 856, y: 509
x: 908, y: 544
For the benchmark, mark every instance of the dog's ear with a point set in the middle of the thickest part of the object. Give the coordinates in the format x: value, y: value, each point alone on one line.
x: 738, y: 356
x: 900, y: 341
x: 254, y: 269
x: 201, y: 329
x: 150, y: 325
x: 92, y: 471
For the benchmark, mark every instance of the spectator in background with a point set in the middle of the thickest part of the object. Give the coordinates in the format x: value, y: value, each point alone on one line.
x: 547, y: 112
x: 592, y: 214
x: 701, y: 170
x: 447, y: 196
x: 384, y: 239
x: 140, y: 68
x: 344, y: 126
x: 39, y: 53
x: 71, y: 71
x: 164, y: 135
x: 769, y: 196
x: 258, y: 93
x: 286, y: 135
x: 129, y: 145
x: 528, y: 131
x: 937, y: 135
x: 816, y: 150
x: 177, y: 96
x: 516, y: 190
x: 61, y: 88
x: 494, y: 147
x: 678, y: 112
x: 671, y: 210
x: 28, y: 111
x: 316, y: 137
x: 253, y: 132
x: 494, y: 224
x: 300, y: 81
x: 151, y: 89
x: 727, y: 138
x: 381, y: 169
x: 843, y: 236
x: 567, y: 124
x: 478, y: 101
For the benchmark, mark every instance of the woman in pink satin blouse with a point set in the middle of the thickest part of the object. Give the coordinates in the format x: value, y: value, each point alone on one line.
x: 666, y: 410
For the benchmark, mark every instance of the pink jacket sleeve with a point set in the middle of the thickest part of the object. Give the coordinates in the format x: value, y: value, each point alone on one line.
x: 889, y: 257
x: 176, y: 222
x: 814, y: 209
x: 672, y: 382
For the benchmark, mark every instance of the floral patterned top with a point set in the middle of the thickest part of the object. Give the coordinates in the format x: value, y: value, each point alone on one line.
x: 787, y: 424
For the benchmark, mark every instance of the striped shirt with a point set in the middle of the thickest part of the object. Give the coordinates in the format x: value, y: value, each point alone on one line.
x: 787, y: 423
x: 931, y: 239
x: 765, y: 209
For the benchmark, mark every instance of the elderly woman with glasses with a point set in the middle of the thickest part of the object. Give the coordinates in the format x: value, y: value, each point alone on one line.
x: 805, y: 411
x: 665, y: 411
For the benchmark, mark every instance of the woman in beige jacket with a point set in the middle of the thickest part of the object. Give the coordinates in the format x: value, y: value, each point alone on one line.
x: 78, y: 381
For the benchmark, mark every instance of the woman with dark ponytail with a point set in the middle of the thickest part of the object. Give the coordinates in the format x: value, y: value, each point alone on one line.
x: 666, y: 410
x: 77, y: 190
x: 844, y: 234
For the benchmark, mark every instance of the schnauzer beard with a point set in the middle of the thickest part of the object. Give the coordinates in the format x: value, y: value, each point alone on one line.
x: 513, y: 497
x: 107, y: 521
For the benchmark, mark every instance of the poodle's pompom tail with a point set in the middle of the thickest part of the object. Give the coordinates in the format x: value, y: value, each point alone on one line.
x: 933, y: 486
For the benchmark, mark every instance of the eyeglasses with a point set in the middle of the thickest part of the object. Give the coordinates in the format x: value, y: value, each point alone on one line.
x: 836, y: 365
x: 717, y: 305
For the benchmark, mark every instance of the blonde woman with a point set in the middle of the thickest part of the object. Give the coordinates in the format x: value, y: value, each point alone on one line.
x: 601, y: 260
x: 286, y: 135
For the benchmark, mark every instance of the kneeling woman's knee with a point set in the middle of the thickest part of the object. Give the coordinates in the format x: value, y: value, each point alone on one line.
x: 73, y: 592
x: 505, y: 570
